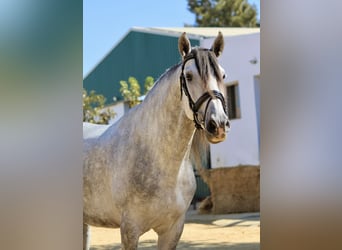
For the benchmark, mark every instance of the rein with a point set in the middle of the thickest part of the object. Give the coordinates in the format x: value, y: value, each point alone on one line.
x: 195, y: 106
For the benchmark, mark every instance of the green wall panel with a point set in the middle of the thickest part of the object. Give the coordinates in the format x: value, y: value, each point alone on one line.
x: 138, y: 54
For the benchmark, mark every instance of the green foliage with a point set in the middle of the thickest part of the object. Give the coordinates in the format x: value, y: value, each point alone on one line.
x: 93, y: 108
x: 223, y: 13
x: 131, y: 90
x: 149, y: 81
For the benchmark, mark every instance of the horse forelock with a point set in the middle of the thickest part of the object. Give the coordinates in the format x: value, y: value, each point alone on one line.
x: 206, y: 61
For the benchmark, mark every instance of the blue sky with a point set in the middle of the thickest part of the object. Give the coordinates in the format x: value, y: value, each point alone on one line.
x: 105, y: 22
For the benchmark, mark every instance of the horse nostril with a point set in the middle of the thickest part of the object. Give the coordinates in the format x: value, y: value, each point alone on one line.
x: 228, y: 124
x: 212, y: 127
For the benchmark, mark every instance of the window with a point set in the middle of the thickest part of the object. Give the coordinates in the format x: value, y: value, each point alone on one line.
x: 233, y: 100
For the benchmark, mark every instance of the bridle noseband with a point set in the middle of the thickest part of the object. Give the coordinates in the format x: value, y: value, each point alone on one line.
x: 195, y: 106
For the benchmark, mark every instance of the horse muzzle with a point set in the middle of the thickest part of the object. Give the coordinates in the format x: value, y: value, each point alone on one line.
x: 216, y: 130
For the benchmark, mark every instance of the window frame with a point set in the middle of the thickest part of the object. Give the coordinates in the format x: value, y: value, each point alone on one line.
x: 235, y: 86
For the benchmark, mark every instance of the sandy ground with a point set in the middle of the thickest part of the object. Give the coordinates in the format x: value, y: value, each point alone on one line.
x: 232, y: 232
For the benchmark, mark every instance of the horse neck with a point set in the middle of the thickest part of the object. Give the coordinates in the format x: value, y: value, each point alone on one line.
x: 163, y: 119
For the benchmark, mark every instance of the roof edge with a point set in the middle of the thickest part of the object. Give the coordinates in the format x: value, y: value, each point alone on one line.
x: 163, y: 31
x: 174, y: 32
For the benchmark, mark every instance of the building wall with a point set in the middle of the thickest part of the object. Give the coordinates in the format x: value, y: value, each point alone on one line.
x: 242, y: 145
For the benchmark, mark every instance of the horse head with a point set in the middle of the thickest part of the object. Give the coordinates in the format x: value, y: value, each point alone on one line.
x: 201, y: 81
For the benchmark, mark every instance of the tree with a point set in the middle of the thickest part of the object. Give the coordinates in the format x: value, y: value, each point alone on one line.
x: 93, y: 108
x: 223, y: 13
x: 131, y: 90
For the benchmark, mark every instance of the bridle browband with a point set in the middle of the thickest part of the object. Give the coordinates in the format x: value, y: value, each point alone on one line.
x: 195, y: 106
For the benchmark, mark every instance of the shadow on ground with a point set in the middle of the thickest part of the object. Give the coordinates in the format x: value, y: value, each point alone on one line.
x: 146, y: 245
x: 224, y: 220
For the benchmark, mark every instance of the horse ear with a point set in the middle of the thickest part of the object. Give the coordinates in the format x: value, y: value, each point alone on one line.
x: 218, y: 45
x: 184, y: 45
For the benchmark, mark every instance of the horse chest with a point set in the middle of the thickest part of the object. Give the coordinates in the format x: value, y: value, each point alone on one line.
x: 168, y: 208
x: 177, y: 199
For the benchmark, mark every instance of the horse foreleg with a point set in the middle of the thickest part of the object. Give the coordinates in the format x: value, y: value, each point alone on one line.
x: 169, y: 239
x: 86, y: 237
x: 129, y: 236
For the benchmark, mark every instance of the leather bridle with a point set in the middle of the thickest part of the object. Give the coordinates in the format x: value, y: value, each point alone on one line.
x: 195, y: 106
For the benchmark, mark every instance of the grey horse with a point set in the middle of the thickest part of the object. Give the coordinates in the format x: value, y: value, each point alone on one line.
x: 137, y: 172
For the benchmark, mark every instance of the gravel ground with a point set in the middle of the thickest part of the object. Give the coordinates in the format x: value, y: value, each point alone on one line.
x: 229, y: 231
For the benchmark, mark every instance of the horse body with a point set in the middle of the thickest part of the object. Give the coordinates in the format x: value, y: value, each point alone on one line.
x: 153, y: 179
x: 137, y: 173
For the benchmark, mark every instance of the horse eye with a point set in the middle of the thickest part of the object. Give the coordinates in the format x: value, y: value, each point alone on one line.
x: 224, y: 76
x: 188, y: 76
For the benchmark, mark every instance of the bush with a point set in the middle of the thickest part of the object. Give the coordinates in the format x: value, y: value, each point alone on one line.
x: 93, y: 108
